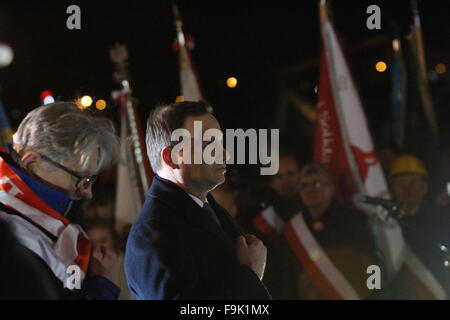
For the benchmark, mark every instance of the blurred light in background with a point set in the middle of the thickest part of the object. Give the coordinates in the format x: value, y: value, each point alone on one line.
x: 47, y: 97
x: 86, y: 101
x: 49, y: 100
x: 6, y: 55
x: 231, y: 82
x: 440, y: 68
x: 396, y: 44
x: 79, y: 105
x: 179, y: 99
x: 100, y: 104
x: 380, y: 66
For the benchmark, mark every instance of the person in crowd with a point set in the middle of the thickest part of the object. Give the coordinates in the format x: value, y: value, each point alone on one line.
x: 58, y: 151
x: 282, y: 197
x: 33, y: 282
x: 442, y: 196
x: 183, y: 244
x: 101, y: 206
x: 338, y: 238
x: 285, y: 182
x: 424, y: 225
x: 102, y: 234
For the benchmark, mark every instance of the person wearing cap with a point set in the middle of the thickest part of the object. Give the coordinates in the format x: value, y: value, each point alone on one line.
x: 425, y: 226
x: 409, y: 185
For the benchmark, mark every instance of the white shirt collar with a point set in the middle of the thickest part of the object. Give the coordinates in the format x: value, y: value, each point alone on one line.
x: 197, y: 200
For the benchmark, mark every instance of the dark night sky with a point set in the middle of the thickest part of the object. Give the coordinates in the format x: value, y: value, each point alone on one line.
x: 252, y: 40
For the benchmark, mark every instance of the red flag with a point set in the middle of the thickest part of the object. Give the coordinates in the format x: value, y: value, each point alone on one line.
x: 329, y: 145
x: 343, y: 141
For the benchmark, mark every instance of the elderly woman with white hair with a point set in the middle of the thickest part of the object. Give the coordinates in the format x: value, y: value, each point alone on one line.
x: 57, y: 153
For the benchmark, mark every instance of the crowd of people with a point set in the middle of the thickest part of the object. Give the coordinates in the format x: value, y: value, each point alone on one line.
x: 197, y: 235
x: 345, y: 232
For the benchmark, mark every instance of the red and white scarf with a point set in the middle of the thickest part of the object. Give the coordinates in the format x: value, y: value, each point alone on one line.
x: 71, y: 247
x: 321, y: 269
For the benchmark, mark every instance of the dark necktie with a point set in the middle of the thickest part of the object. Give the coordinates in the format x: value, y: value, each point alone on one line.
x: 210, y: 210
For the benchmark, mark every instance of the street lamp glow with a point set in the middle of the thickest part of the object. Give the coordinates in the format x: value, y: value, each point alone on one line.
x: 396, y: 44
x: 6, y: 55
x: 380, y: 66
x: 100, y: 104
x: 440, y: 68
x: 231, y: 82
x: 86, y: 101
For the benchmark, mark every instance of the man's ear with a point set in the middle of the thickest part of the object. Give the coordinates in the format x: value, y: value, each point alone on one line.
x: 30, y: 158
x: 166, y: 155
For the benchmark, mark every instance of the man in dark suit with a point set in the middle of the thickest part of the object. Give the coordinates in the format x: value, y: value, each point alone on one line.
x: 183, y: 244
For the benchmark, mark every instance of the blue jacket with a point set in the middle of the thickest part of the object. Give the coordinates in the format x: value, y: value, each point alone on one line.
x: 176, y: 251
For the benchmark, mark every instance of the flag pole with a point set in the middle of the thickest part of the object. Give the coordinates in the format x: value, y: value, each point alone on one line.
x: 398, y: 97
x: 424, y: 89
x: 119, y: 56
x: 178, y: 25
x: 190, y: 86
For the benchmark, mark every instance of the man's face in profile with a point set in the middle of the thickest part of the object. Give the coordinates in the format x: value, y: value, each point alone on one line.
x: 205, y: 176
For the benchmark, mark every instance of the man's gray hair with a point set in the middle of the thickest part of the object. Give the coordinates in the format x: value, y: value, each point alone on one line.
x: 65, y: 134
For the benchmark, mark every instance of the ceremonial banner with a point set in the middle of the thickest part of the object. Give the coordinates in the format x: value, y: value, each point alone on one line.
x: 134, y: 174
x: 416, y: 40
x: 130, y: 196
x: 398, y: 95
x: 190, y: 88
x: 343, y: 141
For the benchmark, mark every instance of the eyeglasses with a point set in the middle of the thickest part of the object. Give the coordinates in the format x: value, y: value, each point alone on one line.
x: 314, y: 185
x: 82, y: 182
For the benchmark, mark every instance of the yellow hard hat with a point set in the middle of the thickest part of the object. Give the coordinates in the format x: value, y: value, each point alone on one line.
x: 407, y: 164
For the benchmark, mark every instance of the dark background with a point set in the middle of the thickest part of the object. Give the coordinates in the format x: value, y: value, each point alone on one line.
x: 267, y: 46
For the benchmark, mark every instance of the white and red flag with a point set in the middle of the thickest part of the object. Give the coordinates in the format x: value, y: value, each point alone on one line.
x: 134, y: 174
x: 343, y: 141
x: 342, y: 138
x: 190, y: 88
